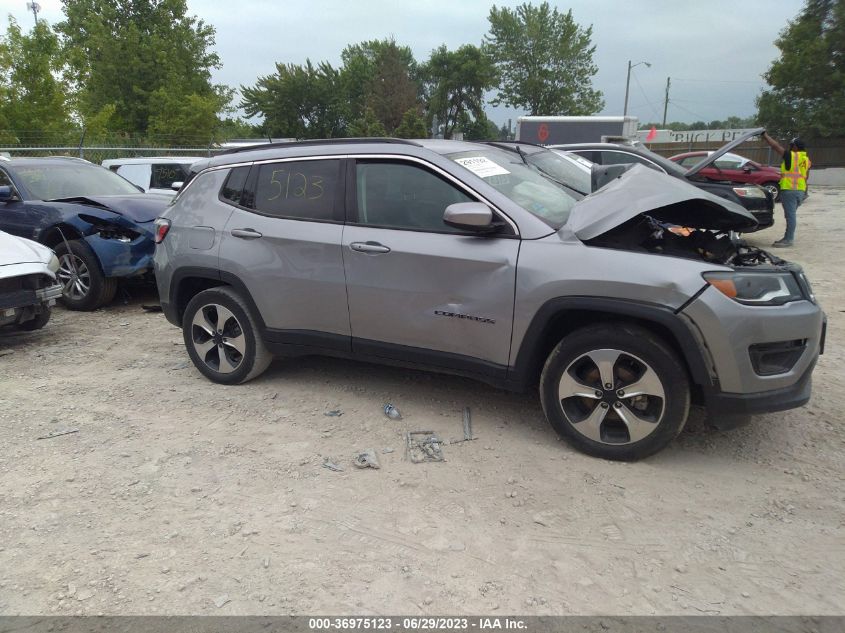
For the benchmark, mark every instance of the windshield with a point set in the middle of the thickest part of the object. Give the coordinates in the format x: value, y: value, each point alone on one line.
x: 570, y: 169
x: 669, y: 165
x: 505, y: 172
x: 63, y: 180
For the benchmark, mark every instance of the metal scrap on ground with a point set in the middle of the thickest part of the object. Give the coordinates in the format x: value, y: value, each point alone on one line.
x: 57, y: 433
x: 367, y: 459
x: 424, y: 446
x: 327, y: 463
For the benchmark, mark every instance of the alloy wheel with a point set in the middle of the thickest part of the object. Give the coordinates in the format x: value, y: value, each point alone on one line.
x: 74, y: 276
x: 611, y: 396
x: 218, y: 338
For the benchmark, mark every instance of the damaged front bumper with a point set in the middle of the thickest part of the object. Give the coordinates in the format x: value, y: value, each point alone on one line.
x: 121, y: 257
x: 21, y: 305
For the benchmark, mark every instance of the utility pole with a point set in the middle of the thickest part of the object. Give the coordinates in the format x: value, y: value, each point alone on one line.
x: 628, y: 83
x: 666, y: 101
x: 35, y: 8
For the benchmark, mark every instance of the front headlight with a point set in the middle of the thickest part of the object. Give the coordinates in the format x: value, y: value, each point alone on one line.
x: 758, y: 289
x: 53, y: 264
x: 752, y: 191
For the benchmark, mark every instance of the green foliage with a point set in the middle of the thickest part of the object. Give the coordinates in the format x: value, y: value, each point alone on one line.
x: 383, y: 76
x: 480, y: 129
x: 455, y: 84
x: 545, y: 60
x: 367, y: 125
x: 807, y: 93
x: 412, y: 126
x: 299, y: 101
x: 130, y: 62
x: 33, y: 103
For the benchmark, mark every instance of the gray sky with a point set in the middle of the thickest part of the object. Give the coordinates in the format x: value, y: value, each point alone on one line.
x: 714, y: 53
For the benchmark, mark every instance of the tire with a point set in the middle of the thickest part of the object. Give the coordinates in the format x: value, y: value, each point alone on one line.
x: 84, y: 287
x: 222, y: 337
x: 772, y: 188
x: 38, y: 322
x: 608, y: 422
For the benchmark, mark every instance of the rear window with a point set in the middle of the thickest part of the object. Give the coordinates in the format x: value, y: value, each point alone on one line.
x: 165, y: 174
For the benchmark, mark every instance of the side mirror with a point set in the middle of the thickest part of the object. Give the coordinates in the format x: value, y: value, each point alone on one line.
x: 6, y: 193
x: 176, y: 186
x: 747, y: 169
x: 470, y: 216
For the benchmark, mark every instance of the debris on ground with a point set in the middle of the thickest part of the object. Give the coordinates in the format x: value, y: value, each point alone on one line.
x: 151, y: 308
x: 387, y: 451
x: 367, y: 459
x: 467, y: 424
x: 327, y: 463
x: 424, y: 446
x: 335, y: 413
x: 392, y: 412
x: 57, y: 433
x: 182, y: 365
x: 6, y: 352
x: 221, y: 601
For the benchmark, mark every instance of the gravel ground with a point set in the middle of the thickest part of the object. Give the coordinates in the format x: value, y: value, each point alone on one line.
x: 178, y: 496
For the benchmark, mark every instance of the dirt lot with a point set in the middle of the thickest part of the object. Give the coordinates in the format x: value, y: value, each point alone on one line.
x: 179, y: 496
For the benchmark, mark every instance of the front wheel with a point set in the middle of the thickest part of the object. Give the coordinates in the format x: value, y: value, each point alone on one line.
x: 615, y: 391
x: 222, y: 337
x: 84, y: 286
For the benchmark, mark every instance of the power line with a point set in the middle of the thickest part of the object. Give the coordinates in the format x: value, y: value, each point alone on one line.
x: 637, y: 81
x: 719, y: 81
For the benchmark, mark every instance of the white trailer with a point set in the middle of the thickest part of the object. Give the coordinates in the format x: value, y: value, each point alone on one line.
x: 548, y: 130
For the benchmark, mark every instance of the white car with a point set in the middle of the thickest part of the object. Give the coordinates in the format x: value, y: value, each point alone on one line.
x: 28, y: 284
x: 153, y: 174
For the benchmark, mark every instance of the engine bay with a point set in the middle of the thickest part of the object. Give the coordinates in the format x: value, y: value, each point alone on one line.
x: 646, y: 234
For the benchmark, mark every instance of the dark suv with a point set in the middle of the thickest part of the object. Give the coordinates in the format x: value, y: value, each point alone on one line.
x: 625, y: 305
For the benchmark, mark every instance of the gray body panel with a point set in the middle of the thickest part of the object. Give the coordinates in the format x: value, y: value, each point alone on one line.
x: 193, y: 240
x: 294, y: 272
x: 730, y: 328
x: 421, y: 292
x: 558, y: 266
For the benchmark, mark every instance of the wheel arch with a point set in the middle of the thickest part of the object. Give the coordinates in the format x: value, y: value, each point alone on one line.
x: 558, y: 317
x: 188, y: 282
x: 52, y: 236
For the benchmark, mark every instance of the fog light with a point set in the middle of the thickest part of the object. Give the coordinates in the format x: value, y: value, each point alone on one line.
x: 770, y: 359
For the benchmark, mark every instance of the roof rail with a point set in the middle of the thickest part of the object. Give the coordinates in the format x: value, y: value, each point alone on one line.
x: 320, y: 141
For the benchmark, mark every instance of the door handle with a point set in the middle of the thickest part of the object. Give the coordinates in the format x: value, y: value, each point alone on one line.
x: 246, y: 234
x: 369, y: 247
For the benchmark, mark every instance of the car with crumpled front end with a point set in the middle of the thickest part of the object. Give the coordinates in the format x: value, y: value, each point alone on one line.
x: 100, y: 225
x: 625, y: 306
x: 755, y: 199
x: 28, y: 284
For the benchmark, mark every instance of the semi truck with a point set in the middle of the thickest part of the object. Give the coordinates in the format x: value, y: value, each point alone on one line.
x: 548, y: 130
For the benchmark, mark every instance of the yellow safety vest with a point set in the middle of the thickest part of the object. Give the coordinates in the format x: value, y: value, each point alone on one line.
x: 796, y: 176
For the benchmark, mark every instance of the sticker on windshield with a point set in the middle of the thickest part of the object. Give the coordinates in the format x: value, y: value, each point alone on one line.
x: 482, y: 166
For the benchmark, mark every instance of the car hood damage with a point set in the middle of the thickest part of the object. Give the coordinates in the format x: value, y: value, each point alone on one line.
x: 17, y: 250
x: 141, y: 207
x: 645, y: 211
x: 641, y: 190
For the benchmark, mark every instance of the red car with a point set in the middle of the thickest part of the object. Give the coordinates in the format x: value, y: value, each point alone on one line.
x: 734, y: 168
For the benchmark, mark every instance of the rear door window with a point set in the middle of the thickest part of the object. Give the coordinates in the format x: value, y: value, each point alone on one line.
x: 165, y: 174
x: 299, y: 190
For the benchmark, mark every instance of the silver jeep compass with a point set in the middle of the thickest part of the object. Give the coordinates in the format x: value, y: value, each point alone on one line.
x: 626, y: 304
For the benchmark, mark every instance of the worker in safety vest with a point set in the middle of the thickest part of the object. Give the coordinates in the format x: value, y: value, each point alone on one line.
x: 794, y: 167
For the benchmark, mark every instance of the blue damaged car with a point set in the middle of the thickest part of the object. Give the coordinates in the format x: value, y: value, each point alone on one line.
x: 100, y: 225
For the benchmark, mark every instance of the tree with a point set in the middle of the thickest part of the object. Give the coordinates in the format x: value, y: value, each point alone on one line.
x: 367, y: 125
x: 455, y: 83
x: 124, y: 57
x: 299, y: 101
x: 412, y: 126
x: 480, y: 129
x: 33, y: 103
x: 807, y: 93
x: 382, y: 76
x: 545, y: 60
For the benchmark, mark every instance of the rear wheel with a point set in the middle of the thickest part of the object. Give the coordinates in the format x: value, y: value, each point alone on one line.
x: 615, y: 391
x: 84, y: 287
x: 222, y: 337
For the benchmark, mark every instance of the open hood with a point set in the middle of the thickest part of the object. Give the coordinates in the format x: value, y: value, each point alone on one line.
x: 712, y: 158
x: 641, y: 190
